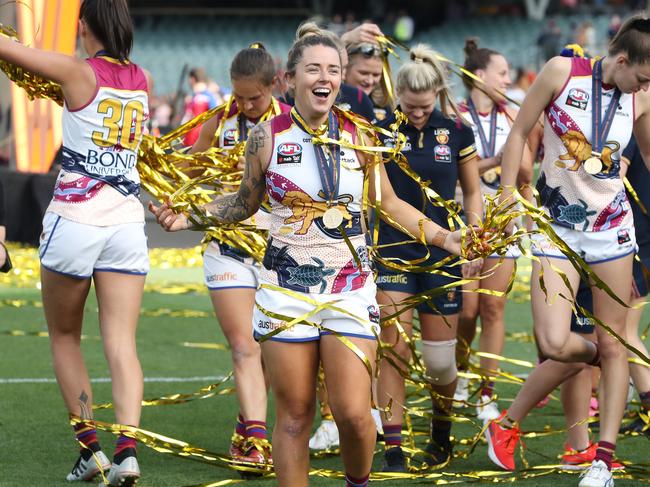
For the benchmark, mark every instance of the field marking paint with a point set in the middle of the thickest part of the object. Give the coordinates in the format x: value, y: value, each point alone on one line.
x: 52, y: 380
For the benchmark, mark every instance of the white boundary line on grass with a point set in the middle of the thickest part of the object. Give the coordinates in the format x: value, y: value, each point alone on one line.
x: 52, y: 380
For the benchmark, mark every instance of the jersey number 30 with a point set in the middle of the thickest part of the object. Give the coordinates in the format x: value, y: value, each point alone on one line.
x: 122, y: 122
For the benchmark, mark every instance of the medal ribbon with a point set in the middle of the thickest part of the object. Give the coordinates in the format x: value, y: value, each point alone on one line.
x: 242, y: 133
x: 599, y: 130
x: 488, y: 145
x: 329, y: 168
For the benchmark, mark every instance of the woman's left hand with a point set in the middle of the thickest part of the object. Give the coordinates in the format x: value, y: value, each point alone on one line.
x: 472, y: 268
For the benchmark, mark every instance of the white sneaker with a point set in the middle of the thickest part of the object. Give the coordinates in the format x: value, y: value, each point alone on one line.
x: 462, y: 392
x: 86, y: 469
x: 487, y: 409
x: 126, y: 474
x: 325, y: 437
x: 377, y: 417
x: 597, y: 476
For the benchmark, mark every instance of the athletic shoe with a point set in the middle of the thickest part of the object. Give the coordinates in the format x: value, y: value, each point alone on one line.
x: 438, y: 453
x: 487, y: 409
x: 502, y: 443
x: 126, y: 474
x: 255, y: 456
x: 394, y: 460
x: 638, y: 426
x: 580, y: 460
x: 543, y: 402
x: 597, y: 475
x: 88, y: 466
x: 461, y: 396
x: 235, y: 445
x: 325, y: 437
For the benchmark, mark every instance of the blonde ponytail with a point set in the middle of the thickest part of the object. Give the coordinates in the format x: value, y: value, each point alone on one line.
x: 425, y: 72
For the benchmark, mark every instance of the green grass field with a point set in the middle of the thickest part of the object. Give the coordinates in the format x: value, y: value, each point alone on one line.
x: 37, y: 447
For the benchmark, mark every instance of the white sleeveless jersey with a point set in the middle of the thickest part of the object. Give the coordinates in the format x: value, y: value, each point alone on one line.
x: 490, y: 180
x: 572, y: 197
x: 303, y: 255
x: 231, y: 132
x: 99, y: 182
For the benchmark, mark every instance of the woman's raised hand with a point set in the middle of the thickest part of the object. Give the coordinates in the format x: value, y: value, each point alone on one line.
x: 170, y: 221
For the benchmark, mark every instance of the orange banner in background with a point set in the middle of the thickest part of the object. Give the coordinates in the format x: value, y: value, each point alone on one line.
x: 50, y: 25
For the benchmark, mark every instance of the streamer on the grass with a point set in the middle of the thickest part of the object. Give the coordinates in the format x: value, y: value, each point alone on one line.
x: 160, y: 173
x: 170, y: 446
x: 203, y: 393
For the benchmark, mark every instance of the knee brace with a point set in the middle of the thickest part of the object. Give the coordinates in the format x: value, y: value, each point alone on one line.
x: 440, y: 361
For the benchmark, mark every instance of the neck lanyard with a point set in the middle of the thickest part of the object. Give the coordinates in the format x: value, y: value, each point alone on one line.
x: 242, y: 129
x: 488, y: 145
x: 328, y: 158
x: 599, y: 126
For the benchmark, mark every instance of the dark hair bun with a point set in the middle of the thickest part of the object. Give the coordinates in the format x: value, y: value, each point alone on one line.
x: 471, y: 45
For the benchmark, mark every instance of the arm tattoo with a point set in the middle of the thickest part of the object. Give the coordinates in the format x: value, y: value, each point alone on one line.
x: 256, y: 140
x: 84, y: 407
x: 238, y: 206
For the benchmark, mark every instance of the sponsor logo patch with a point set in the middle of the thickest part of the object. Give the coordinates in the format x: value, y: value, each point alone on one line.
x: 289, y: 153
x: 623, y: 237
x: 577, y: 98
x: 229, y: 136
x: 226, y: 276
x: 271, y: 325
x: 442, y: 153
x: 373, y: 314
x: 584, y: 321
x: 392, y: 279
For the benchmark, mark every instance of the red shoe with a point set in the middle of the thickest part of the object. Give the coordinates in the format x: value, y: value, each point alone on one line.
x: 255, y: 451
x: 581, y: 460
x: 502, y: 443
x: 235, y: 445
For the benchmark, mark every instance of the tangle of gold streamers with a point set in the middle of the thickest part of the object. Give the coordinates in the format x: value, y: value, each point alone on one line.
x: 34, y: 85
x: 166, y: 173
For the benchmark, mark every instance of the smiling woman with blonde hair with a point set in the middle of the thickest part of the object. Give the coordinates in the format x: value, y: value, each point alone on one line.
x: 440, y: 150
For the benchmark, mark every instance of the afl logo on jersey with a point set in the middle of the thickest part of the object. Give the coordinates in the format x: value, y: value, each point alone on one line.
x: 578, y: 98
x: 229, y: 136
x: 289, y: 153
x: 442, y: 153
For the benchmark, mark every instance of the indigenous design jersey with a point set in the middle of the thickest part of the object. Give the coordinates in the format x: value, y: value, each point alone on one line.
x: 99, y: 182
x: 491, y: 179
x: 234, y: 129
x: 303, y: 255
x: 572, y: 197
x: 236, y: 126
x: 434, y: 153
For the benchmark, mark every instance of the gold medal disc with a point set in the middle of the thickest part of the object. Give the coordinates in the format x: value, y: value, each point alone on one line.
x: 593, y: 165
x: 490, y: 176
x: 332, y: 218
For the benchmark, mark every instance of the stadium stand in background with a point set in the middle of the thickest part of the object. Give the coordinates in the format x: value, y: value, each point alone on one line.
x: 165, y: 43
